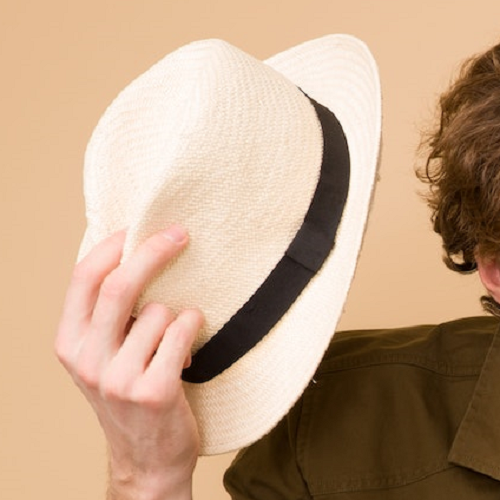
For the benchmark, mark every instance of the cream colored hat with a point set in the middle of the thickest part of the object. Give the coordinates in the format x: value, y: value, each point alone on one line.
x: 275, y: 193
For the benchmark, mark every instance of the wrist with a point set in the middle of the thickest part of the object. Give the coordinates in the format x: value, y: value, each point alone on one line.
x: 140, y: 486
x: 151, y: 478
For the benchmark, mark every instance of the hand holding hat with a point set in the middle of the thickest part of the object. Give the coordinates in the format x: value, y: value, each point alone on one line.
x: 129, y: 370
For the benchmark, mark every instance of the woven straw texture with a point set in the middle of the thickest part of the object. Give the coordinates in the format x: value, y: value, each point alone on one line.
x: 229, y: 147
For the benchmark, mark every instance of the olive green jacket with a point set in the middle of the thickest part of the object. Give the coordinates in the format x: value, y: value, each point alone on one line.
x: 409, y: 413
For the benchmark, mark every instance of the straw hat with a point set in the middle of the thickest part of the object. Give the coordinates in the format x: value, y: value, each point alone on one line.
x: 275, y: 193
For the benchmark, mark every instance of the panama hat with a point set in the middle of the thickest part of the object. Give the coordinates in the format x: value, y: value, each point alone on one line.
x: 270, y: 166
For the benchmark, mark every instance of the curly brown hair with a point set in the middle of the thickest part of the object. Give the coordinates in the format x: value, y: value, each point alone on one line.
x: 463, y: 166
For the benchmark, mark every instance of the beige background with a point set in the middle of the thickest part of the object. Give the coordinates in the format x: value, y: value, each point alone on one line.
x: 61, y: 64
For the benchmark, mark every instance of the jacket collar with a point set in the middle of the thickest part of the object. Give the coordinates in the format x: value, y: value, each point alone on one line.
x: 477, y: 443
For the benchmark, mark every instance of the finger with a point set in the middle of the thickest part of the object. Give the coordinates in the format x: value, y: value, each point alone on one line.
x: 141, y: 343
x: 83, y: 289
x: 122, y: 287
x: 174, y: 351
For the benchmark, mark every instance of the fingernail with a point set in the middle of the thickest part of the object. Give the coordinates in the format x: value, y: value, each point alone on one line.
x: 175, y: 233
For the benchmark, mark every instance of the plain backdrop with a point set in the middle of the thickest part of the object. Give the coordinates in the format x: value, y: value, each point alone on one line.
x: 62, y: 63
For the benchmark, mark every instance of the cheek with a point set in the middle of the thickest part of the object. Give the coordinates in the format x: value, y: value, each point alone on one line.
x: 489, y: 273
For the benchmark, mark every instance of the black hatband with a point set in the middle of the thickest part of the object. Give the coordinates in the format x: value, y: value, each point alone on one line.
x: 303, y: 259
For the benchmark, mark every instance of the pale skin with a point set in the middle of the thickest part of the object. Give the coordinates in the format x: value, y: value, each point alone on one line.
x: 129, y: 370
x: 489, y: 272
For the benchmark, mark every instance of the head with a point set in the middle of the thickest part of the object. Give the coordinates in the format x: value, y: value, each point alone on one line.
x: 463, y: 172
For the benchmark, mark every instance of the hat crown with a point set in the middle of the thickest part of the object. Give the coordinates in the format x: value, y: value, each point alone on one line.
x: 212, y: 138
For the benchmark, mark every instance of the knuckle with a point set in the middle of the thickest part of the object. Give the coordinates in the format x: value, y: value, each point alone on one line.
x: 86, y: 374
x: 115, y: 285
x: 117, y: 383
x: 63, y: 352
x: 62, y: 355
x: 194, y: 317
x: 151, y: 398
x: 65, y: 349
x: 180, y: 339
x: 86, y: 379
x: 83, y: 272
x: 159, y: 311
x: 113, y: 389
x: 158, y: 246
x: 188, y: 324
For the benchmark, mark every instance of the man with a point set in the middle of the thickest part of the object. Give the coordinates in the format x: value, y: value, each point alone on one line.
x: 407, y: 413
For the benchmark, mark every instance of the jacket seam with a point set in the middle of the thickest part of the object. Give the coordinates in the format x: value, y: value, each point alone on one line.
x: 366, y: 483
x: 416, y: 361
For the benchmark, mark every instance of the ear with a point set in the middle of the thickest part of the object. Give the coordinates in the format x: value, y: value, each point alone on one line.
x: 489, y: 272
